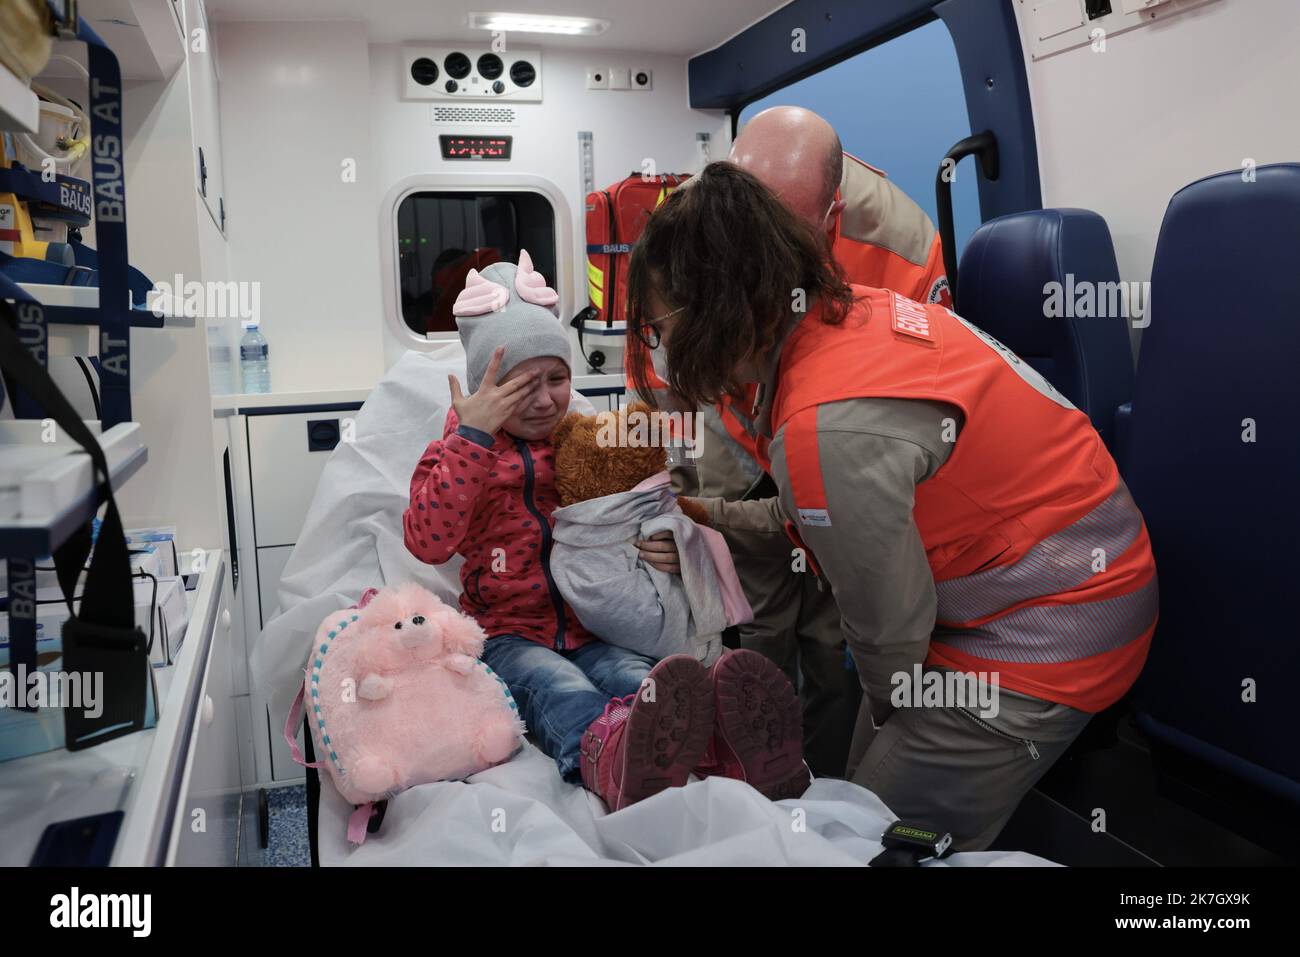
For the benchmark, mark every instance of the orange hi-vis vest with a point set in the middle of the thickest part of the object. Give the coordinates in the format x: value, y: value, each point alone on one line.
x: 1041, y: 559
x: 884, y: 240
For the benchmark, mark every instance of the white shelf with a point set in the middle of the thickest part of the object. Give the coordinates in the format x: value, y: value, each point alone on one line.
x: 161, y: 307
x: 19, y: 110
x: 599, y: 381
x: 47, y: 489
x: 144, y: 34
x: 138, y: 774
x: 78, y: 338
x: 234, y: 401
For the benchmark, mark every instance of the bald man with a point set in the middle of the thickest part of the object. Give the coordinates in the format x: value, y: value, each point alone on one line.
x: 880, y: 238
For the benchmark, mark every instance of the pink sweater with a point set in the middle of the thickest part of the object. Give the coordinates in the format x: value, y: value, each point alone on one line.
x: 493, y: 506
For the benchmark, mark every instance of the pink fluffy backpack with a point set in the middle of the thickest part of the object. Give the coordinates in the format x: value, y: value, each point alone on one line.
x: 395, y: 696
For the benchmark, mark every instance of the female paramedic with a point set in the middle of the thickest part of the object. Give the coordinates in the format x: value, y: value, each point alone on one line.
x: 994, y: 576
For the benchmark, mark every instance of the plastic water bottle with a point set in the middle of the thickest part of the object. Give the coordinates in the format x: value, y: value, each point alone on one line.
x: 253, y: 360
x: 221, y: 366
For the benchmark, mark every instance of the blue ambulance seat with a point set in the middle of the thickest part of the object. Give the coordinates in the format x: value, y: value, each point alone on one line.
x: 1220, y: 359
x: 1004, y: 270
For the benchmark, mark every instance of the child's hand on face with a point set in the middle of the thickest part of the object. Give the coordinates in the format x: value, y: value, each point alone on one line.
x: 489, y: 407
x: 660, y: 550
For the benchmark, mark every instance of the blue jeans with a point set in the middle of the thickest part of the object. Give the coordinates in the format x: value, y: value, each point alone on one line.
x: 560, y: 693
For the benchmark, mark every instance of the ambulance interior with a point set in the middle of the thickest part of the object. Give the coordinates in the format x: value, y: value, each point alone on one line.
x: 334, y: 169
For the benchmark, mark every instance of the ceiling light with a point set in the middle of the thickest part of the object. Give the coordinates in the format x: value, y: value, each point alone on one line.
x: 536, y: 23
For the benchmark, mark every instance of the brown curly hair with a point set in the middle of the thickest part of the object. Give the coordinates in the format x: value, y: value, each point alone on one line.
x: 730, y: 255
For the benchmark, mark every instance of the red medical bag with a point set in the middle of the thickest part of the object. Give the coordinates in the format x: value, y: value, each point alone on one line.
x: 615, y: 217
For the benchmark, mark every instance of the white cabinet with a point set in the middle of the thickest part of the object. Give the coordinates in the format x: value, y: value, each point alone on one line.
x: 204, y: 104
x: 270, y: 566
x: 276, y: 453
x: 286, y: 454
x: 206, y: 829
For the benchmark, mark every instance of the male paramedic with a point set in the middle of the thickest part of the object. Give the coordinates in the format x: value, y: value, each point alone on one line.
x: 880, y: 238
x: 993, y: 575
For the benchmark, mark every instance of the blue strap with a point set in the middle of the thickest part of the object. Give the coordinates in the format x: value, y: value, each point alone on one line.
x: 139, y: 283
x: 84, y: 273
x: 67, y: 197
x: 26, y: 269
x: 109, y: 180
x: 609, y: 248
x: 33, y: 332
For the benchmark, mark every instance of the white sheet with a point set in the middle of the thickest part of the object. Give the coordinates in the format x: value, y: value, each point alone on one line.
x: 521, y: 812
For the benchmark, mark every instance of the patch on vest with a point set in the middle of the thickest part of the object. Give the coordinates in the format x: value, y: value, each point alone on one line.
x: 909, y: 319
x: 939, y: 291
x: 817, y: 517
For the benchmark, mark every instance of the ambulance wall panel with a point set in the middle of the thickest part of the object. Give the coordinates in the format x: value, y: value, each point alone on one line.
x: 629, y: 129
x: 295, y: 123
x: 310, y: 234
x: 1121, y: 130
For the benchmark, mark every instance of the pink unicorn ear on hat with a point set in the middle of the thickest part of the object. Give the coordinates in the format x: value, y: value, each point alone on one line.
x: 530, y: 284
x: 480, y: 296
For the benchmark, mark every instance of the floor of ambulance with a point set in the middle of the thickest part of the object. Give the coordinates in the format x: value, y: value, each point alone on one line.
x: 1143, y: 828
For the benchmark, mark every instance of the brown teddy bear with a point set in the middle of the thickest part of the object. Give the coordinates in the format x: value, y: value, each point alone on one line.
x: 611, y: 472
x: 610, y: 452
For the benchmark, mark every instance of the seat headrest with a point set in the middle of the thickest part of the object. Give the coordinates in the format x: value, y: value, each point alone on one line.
x: 1235, y: 234
x: 1076, y: 333
x: 1010, y: 260
x: 1223, y: 335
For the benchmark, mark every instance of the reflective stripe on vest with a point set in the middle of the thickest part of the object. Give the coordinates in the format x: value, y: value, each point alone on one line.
x: 1055, y: 634
x: 1061, y: 562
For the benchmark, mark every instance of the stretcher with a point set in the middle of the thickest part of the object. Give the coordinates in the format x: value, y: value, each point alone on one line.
x: 521, y: 812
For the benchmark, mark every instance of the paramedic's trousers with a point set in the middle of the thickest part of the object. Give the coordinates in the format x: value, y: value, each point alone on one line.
x: 939, y: 767
x: 560, y: 693
x: 798, y: 627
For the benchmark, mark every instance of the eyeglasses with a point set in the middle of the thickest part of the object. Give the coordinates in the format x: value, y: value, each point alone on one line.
x: 648, y: 331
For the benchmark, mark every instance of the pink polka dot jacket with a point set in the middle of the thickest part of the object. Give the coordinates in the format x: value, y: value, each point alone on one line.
x: 493, y: 506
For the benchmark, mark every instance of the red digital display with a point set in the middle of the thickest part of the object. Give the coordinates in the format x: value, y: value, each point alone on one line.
x: 475, y: 147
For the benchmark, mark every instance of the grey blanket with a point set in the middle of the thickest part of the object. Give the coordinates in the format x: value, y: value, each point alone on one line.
x: 619, y: 597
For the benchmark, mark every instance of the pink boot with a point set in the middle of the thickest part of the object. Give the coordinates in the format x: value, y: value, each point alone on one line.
x: 639, y: 747
x: 758, y: 732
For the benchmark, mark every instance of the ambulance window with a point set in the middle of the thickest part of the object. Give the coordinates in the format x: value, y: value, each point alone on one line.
x: 899, y: 106
x: 442, y: 235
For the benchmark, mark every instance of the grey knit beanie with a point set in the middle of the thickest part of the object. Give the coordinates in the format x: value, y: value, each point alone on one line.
x: 511, y: 306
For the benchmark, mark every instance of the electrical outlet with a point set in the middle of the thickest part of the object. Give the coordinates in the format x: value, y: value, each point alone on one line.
x: 598, y: 78
x: 642, y: 78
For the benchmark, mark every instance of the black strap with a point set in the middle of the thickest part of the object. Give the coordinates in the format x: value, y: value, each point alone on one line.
x: 589, y: 314
x: 896, y: 857
x: 102, y: 636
